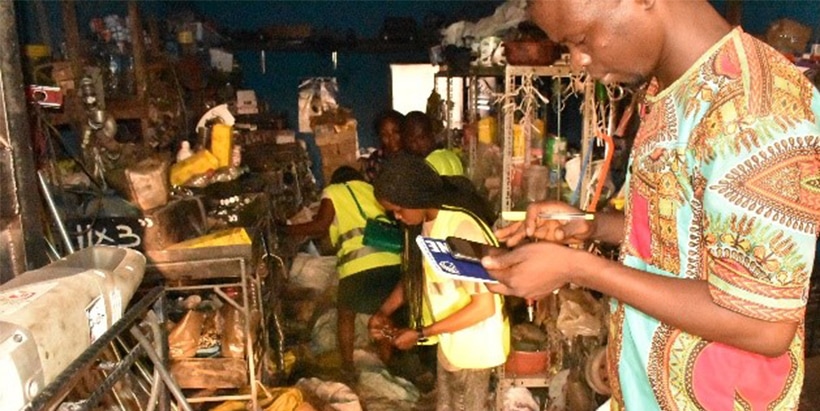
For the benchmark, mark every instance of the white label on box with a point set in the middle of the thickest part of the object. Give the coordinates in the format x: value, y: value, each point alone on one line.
x: 97, y: 319
x: 116, y: 305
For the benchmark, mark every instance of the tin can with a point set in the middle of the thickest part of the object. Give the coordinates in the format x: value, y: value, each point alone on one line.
x: 555, y: 157
x: 555, y: 152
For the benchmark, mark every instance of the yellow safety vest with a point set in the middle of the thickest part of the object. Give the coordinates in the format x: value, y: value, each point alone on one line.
x: 482, y: 345
x: 445, y: 162
x: 347, y: 229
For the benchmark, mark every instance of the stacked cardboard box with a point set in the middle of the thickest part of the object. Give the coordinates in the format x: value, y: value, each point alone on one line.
x: 339, y: 146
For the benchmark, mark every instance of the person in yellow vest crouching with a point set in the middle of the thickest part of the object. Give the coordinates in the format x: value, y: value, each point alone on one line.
x: 366, y: 275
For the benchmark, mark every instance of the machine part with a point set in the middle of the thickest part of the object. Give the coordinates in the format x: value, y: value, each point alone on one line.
x: 56, y: 304
x: 52, y: 208
x: 52, y: 396
x: 20, y: 367
x: 595, y: 372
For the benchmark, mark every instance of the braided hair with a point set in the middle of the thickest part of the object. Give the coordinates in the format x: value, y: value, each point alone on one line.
x: 410, y: 182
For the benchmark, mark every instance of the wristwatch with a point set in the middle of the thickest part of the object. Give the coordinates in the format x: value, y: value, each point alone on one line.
x: 420, y: 337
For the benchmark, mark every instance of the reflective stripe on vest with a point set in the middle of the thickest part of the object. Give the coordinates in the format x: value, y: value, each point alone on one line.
x: 353, y: 232
x: 358, y: 253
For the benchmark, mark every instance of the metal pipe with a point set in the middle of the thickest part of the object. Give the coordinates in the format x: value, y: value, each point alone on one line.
x: 53, y: 254
x: 166, y: 376
x: 153, y: 322
x: 162, y: 351
x: 54, y: 212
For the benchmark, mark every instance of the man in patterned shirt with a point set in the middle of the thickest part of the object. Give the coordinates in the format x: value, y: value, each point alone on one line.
x: 722, y: 209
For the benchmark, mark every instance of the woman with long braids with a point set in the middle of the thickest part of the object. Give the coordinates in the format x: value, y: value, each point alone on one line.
x: 465, y: 317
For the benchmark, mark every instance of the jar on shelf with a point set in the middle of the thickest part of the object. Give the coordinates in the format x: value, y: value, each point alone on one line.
x: 37, y: 57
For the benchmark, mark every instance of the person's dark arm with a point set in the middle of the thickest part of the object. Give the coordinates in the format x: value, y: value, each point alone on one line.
x: 606, y: 227
x: 319, y: 225
x: 535, y: 270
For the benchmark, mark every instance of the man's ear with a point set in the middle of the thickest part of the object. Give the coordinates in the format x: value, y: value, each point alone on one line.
x: 645, y: 4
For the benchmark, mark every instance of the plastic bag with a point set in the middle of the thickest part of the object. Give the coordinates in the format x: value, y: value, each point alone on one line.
x: 183, y: 341
x: 233, y: 332
x: 314, y: 272
x: 573, y: 321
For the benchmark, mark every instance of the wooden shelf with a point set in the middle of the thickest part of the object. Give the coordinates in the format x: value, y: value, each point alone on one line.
x: 127, y: 109
x: 474, y: 71
x: 555, y: 70
x: 120, y: 109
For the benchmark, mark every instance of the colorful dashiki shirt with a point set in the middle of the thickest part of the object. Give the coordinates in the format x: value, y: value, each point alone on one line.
x: 724, y: 186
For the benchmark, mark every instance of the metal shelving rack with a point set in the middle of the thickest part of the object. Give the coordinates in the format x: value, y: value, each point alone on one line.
x: 511, y: 75
x: 217, y: 269
x: 471, y: 80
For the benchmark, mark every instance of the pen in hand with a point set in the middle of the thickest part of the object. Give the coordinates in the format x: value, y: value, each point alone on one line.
x: 522, y: 215
x: 530, y: 309
x: 567, y: 216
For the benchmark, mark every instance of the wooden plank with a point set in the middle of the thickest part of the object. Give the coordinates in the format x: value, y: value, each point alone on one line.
x: 138, y: 49
x: 209, y: 373
x: 72, y: 37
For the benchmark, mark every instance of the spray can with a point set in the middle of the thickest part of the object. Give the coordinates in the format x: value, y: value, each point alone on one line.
x: 555, y: 156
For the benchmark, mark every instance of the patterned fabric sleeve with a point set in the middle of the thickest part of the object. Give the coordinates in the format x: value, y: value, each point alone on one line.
x: 759, y: 147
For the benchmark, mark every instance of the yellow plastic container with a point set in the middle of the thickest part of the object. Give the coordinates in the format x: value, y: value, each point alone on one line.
x: 519, y: 143
x: 199, y: 163
x: 230, y: 236
x: 487, y: 130
x: 37, y: 56
x: 222, y: 143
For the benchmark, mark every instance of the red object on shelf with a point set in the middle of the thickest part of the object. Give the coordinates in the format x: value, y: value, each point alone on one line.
x: 531, y: 52
x: 527, y: 362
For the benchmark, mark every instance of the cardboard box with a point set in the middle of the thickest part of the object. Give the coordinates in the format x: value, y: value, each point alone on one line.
x: 147, y: 183
x: 338, y: 149
x: 329, y: 135
x: 63, y: 75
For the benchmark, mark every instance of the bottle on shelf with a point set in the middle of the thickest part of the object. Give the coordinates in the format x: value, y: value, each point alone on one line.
x: 555, y: 157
